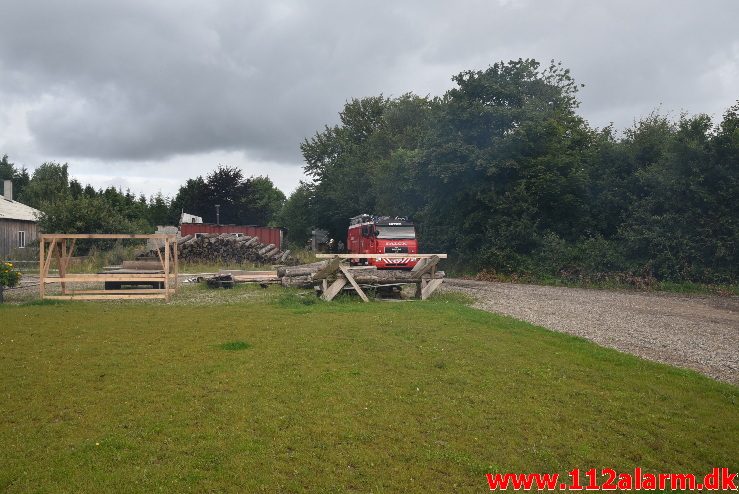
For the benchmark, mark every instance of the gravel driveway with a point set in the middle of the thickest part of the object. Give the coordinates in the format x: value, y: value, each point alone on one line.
x: 696, y: 332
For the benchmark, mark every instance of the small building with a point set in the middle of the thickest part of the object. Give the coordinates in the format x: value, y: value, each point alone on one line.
x: 18, y: 223
x: 190, y: 218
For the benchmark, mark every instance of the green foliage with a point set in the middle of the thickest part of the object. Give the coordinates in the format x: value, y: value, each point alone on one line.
x: 68, y: 207
x: 48, y: 185
x: 9, y: 276
x: 243, y: 201
x: 502, y: 173
x: 89, y: 215
x: 296, y: 215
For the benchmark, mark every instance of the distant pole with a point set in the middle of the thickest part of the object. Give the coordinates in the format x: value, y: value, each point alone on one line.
x: 218, y: 214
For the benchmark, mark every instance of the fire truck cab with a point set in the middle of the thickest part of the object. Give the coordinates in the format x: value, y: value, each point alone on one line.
x: 382, y: 235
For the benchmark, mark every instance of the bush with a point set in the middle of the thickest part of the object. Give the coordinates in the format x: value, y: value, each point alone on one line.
x: 9, y: 276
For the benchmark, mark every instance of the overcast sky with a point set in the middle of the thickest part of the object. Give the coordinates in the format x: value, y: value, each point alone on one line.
x: 144, y: 94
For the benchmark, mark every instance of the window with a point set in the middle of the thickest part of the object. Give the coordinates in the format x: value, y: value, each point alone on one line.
x: 21, y: 240
x: 396, y: 232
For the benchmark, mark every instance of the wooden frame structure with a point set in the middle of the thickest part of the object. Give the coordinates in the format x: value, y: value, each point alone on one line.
x: 58, y: 246
x: 423, y: 274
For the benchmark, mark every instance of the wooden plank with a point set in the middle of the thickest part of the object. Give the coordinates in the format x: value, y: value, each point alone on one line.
x: 61, y: 255
x: 103, y: 297
x: 159, y: 255
x: 123, y: 291
x: 430, y: 288
x: 176, y: 266
x: 383, y: 256
x: 243, y: 272
x: 427, y: 266
x: 101, y: 236
x: 47, y: 264
x: 114, y: 276
x: 334, y: 289
x: 255, y: 279
x: 350, y: 278
x: 166, y: 270
x: 89, y: 278
x: 419, y: 265
x: 41, y: 273
x: 327, y: 270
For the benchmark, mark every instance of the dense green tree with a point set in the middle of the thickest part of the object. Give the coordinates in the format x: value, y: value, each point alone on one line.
x: 87, y: 215
x: 296, y: 215
x: 243, y: 201
x: 48, y: 185
x: 502, y: 173
x: 158, y: 210
x: 263, y: 202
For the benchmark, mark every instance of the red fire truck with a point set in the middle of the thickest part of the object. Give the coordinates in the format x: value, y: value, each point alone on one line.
x: 382, y: 235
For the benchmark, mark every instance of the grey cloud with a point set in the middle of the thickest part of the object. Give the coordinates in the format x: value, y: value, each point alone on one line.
x: 138, y: 80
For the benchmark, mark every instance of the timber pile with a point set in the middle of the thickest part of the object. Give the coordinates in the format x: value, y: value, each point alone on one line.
x: 307, y: 275
x: 226, y: 248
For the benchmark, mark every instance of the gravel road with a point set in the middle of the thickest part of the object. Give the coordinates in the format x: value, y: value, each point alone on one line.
x: 695, y: 332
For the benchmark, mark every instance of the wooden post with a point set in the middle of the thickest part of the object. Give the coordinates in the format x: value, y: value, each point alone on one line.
x: 334, y: 289
x: 41, y: 275
x: 45, y: 264
x: 61, y: 259
x: 69, y: 253
x: 176, y: 265
x: 430, y: 288
x: 350, y: 278
x: 159, y: 254
x: 166, y: 270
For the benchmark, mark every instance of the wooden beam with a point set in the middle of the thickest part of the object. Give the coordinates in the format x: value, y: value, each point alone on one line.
x: 41, y: 273
x: 334, y: 289
x: 328, y: 270
x: 427, y: 266
x: 166, y: 270
x: 430, y: 288
x: 47, y: 265
x: 383, y: 256
x: 89, y: 278
x: 350, y: 278
x: 61, y: 260
x: 176, y: 266
x: 159, y: 255
x: 101, y: 236
x: 123, y: 291
x: 104, y: 297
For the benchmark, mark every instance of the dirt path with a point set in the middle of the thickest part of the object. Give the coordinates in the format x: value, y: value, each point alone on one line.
x: 696, y: 332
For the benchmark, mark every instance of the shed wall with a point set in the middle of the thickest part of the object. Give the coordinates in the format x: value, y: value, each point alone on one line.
x: 265, y: 234
x: 9, y: 235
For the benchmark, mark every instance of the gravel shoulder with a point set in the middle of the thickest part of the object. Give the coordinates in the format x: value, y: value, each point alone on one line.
x: 695, y: 332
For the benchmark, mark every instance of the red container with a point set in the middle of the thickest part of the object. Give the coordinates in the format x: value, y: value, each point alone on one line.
x: 265, y: 234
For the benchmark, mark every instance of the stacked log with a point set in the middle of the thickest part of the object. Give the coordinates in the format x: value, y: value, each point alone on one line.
x: 227, y: 248
x: 301, y: 276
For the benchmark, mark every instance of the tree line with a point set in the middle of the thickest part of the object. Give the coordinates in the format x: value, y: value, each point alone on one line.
x: 502, y: 173
x: 69, y: 207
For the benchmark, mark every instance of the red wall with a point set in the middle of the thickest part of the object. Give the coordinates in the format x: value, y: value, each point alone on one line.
x: 266, y: 235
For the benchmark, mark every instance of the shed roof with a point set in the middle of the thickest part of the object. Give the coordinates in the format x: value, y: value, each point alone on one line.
x: 14, y: 210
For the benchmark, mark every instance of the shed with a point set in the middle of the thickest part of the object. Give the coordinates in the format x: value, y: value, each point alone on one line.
x: 18, y: 223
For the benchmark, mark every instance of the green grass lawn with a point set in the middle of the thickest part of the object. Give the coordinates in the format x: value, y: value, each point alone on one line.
x: 270, y: 391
